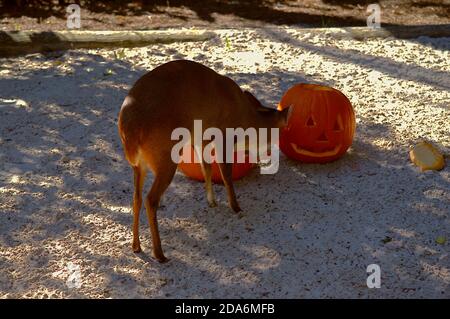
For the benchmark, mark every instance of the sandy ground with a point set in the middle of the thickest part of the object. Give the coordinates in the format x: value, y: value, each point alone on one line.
x: 308, y: 231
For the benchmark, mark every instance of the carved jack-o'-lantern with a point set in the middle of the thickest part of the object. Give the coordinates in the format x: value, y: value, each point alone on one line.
x: 321, y: 126
x: 193, y: 170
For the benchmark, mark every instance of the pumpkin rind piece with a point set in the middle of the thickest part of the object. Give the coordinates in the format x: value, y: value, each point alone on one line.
x: 426, y: 157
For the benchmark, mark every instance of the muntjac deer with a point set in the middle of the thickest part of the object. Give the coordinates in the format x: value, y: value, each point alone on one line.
x: 171, y: 96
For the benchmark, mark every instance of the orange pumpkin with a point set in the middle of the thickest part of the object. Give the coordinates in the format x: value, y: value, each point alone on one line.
x: 193, y: 170
x: 321, y: 126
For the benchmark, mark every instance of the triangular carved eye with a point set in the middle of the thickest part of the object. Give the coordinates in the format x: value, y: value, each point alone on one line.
x: 310, y: 122
x: 338, y: 126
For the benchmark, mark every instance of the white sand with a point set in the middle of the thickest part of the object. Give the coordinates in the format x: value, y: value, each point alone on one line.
x: 308, y: 231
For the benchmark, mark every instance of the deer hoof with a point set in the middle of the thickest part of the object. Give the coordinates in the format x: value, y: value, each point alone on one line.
x: 212, y: 204
x: 162, y: 259
x: 236, y: 208
x: 137, y: 247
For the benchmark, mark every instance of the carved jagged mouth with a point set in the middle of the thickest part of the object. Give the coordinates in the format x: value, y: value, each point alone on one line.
x: 302, y: 151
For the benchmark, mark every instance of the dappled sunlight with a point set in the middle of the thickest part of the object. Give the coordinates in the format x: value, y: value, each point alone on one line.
x: 383, y: 143
x: 110, y: 231
x: 440, y: 273
x: 403, y: 232
x: 8, y: 191
x: 395, y: 49
x: 308, y: 231
x: 237, y: 276
x: 264, y: 257
x: 117, y: 209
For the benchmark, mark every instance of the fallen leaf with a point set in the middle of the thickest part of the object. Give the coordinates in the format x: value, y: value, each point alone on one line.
x: 108, y: 72
x: 441, y: 240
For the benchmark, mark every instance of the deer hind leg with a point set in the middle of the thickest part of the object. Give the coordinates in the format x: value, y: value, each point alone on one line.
x: 206, y: 170
x: 226, y: 170
x: 163, y: 177
x: 139, y: 177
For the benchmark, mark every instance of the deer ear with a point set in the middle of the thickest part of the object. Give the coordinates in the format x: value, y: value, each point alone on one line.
x: 254, y: 101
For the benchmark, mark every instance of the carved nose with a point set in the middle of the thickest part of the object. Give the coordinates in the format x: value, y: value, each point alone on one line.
x: 322, y: 138
x: 310, y: 122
